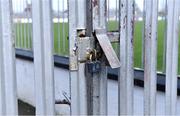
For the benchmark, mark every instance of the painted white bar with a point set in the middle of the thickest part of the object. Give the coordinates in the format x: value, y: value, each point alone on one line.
x: 103, y: 74
x: 103, y: 91
x: 8, y: 99
x: 83, y: 109
x: 150, y: 56
x: 81, y: 14
x: 2, y: 82
x: 172, y: 56
x: 73, y: 64
x: 165, y: 41
x: 82, y: 79
x: 43, y: 57
x: 126, y: 10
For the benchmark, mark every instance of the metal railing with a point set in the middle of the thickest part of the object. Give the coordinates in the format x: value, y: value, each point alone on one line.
x: 39, y: 29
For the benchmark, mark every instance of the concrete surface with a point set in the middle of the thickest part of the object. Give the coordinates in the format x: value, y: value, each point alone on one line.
x: 25, y: 84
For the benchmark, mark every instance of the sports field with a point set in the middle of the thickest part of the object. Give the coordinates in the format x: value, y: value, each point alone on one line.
x: 61, y: 45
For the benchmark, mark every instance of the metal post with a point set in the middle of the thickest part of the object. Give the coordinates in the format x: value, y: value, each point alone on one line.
x: 143, y: 36
x: 73, y: 64
x: 172, y: 56
x: 8, y: 97
x: 77, y: 20
x: 2, y: 82
x: 126, y: 77
x: 150, y: 56
x: 43, y: 57
x: 165, y: 40
x: 99, y: 92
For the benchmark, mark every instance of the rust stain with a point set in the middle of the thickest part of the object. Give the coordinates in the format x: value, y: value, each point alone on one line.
x: 95, y: 3
x: 124, y: 21
x: 105, y: 13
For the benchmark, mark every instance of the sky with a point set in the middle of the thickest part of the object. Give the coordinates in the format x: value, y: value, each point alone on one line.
x: 19, y: 5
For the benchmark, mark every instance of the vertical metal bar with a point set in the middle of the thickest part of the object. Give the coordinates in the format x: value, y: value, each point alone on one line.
x: 21, y: 26
x: 7, y: 72
x: 99, y: 90
x: 150, y: 56
x: 58, y: 28
x: 28, y: 27
x: 126, y: 11
x: 108, y: 11
x: 24, y: 25
x: 116, y: 11
x: 143, y: 35
x: 172, y: 56
x: 66, y: 29
x: 95, y: 96
x: 83, y: 110
x: 31, y: 33
x: 103, y: 90
x: 81, y: 14
x: 165, y: 40
x: 103, y: 74
x: 2, y: 79
x: 63, y: 30
x: 81, y: 24
x: 18, y: 29
x: 14, y: 22
x: 43, y: 57
x: 77, y: 20
x: 73, y: 64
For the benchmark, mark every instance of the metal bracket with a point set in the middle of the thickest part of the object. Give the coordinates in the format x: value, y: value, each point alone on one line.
x: 85, y: 45
x: 107, y: 48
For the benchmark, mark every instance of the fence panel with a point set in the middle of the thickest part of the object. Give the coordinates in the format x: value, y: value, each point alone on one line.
x: 45, y: 27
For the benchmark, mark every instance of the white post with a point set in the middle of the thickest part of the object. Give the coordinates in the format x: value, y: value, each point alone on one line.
x: 8, y: 93
x: 172, y: 55
x: 150, y: 56
x: 126, y: 77
x: 43, y: 57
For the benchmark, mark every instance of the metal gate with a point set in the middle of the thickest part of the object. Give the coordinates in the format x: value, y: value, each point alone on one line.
x: 90, y: 52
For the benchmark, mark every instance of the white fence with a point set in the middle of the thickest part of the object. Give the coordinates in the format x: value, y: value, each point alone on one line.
x: 90, y: 52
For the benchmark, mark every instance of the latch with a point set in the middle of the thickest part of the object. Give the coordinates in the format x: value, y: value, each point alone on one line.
x: 89, y: 52
x: 93, y: 65
x: 102, y: 37
x: 85, y: 45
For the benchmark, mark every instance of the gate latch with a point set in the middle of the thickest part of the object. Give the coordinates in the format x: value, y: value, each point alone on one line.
x: 107, y: 48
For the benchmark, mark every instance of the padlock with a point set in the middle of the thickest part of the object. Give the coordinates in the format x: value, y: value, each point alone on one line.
x: 94, y: 66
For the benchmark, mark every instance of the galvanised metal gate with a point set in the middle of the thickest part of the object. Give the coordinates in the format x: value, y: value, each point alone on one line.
x: 90, y: 52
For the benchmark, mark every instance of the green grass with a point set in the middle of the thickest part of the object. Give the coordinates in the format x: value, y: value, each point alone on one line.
x: 61, y: 45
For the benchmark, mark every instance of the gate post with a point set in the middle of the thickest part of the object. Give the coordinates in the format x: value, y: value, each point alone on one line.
x: 43, y: 57
x: 8, y: 93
